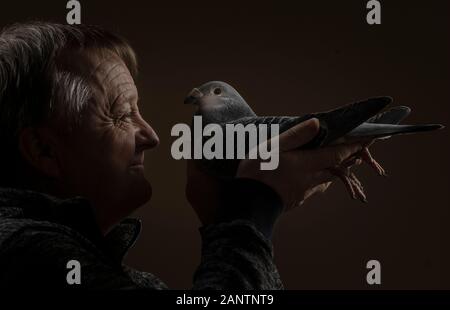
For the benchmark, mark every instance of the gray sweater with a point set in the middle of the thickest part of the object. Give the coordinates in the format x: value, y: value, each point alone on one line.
x: 39, y: 234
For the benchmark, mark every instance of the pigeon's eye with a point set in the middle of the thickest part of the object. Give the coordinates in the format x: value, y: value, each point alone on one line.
x: 217, y: 91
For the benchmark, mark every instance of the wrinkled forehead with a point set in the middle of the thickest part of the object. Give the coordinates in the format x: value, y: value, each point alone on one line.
x: 105, y: 71
x: 110, y: 79
x: 110, y: 76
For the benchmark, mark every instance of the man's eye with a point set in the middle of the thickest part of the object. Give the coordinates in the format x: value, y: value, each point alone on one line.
x: 128, y: 115
x: 124, y: 117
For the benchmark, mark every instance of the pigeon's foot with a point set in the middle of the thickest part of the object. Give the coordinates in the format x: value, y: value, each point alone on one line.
x: 351, y: 182
x: 367, y: 158
x: 361, y: 195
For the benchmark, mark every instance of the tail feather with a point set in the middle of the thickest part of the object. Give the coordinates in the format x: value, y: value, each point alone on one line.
x: 392, y: 116
x: 377, y: 131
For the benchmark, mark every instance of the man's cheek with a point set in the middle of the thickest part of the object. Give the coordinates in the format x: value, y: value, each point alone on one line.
x: 122, y: 147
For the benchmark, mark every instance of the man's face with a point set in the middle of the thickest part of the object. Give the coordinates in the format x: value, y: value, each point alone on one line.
x: 103, y: 160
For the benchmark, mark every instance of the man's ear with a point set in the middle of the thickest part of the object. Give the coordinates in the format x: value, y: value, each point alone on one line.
x: 38, y: 148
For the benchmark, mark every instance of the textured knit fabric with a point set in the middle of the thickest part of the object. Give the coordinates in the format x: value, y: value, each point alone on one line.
x: 40, y: 234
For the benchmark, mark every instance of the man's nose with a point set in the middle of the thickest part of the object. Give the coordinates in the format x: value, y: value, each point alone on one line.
x: 146, y: 137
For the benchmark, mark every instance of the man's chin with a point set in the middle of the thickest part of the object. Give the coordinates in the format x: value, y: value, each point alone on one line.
x: 141, y: 193
x: 137, y: 168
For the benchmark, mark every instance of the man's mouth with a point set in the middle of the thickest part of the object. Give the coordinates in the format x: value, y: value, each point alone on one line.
x: 137, y: 165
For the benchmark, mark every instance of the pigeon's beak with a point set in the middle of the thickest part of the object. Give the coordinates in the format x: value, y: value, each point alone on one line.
x: 193, y: 96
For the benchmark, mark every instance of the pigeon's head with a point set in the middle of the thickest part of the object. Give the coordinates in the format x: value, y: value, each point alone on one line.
x: 218, y: 102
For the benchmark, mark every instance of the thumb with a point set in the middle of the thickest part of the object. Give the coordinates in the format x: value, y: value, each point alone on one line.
x: 299, y: 135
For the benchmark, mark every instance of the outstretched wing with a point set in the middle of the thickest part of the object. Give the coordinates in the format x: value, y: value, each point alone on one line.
x: 334, y: 124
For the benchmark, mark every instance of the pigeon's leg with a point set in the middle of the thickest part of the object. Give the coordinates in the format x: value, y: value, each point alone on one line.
x: 351, y: 182
x: 354, y: 160
x: 367, y: 157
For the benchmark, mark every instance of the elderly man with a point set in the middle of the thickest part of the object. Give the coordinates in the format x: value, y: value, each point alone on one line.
x: 72, y: 170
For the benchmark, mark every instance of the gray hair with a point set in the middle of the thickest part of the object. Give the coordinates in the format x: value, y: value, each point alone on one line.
x: 36, y: 84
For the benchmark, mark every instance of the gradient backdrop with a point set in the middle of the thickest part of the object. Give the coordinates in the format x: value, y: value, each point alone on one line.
x: 291, y: 59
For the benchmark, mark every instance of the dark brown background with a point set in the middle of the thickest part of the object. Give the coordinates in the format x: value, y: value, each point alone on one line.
x: 292, y: 59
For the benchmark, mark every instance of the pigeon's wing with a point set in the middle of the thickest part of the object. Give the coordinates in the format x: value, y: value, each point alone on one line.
x: 392, y: 116
x: 285, y: 122
x: 371, y: 131
x: 333, y: 124
x: 341, y: 121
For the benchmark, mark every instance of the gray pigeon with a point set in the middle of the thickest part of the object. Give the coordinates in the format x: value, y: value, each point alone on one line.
x: 219, y: 103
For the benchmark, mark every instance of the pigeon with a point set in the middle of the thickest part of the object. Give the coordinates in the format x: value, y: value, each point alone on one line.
x: 363, y: 122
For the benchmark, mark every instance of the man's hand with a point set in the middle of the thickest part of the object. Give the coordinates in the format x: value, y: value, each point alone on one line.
x: 204, y: 192
x: 301, y: 173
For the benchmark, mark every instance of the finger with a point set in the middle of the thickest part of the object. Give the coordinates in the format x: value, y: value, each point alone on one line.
x: 321, y: 188
x: 326, y: 186
x: 332, y: 156
x: 299, y: 135
x: 324, y: 176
